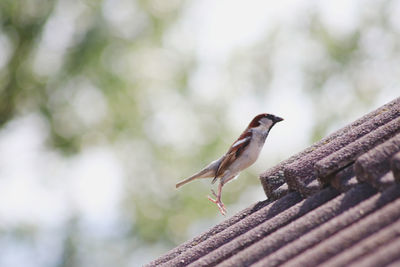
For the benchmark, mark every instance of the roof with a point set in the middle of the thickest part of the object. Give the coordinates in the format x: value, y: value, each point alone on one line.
x: 337, y: 203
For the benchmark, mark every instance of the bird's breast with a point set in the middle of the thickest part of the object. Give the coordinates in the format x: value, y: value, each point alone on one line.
x: 249, y: 155
x: 252, y: 151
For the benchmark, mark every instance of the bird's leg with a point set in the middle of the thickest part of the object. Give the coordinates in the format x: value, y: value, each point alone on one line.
x: 217, y: 199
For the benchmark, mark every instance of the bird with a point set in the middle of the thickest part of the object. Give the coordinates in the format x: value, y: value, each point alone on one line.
x: 241, y: 154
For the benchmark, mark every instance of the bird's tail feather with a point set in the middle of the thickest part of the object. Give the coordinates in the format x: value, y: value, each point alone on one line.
x: 207, y: 172
x: 187, y: 180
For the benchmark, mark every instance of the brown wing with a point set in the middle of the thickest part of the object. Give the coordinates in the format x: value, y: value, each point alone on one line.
x: 233, y: 153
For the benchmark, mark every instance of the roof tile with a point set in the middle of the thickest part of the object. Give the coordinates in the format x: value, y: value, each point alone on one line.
x: 263, y: 230
x: 348, y: 154
x: 373, y: 164
x: 213, y: 231
x: 274, y: 177
x: 395, y: 166
x: 279, y: 192
x: 300, y: 227
x: 384, y: 181
x: 333, y: 226
x: 249, y: 222
x: 366, y: 246
x: 344, y: 179
x: 382, y: 256
x: 300, y: 173
x: 349, y: 236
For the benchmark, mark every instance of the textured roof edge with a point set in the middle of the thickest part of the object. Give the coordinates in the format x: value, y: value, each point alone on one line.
x: 283, y: 205
x: 274, y: 178
x: 204, y: 236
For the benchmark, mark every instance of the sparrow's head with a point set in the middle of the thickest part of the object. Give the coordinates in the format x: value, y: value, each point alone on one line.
x: 264, y: 119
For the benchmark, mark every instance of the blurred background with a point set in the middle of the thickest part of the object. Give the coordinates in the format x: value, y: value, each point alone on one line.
x: 106, y: 104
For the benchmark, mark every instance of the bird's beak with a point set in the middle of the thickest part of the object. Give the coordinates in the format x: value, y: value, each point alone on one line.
x: 277, y: 119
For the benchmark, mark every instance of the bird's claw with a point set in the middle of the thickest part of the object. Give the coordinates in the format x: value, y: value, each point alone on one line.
x: 219, y: 203
x: 214, y: 194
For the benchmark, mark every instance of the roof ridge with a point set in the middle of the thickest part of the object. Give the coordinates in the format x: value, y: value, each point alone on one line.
x: 346, y: 155
x: 273, y: 178
x: 301, y: 173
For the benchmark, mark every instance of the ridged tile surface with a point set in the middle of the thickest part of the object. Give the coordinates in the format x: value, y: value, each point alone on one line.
x: 337, y: 203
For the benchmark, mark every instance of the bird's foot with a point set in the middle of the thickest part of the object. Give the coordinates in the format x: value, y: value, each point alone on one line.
x: 219, y: 203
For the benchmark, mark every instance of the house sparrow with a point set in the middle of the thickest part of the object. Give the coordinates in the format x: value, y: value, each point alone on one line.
x: 242, y: 153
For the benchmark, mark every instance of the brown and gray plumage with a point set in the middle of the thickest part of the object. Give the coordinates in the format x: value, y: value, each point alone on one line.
x: 242, y: 153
